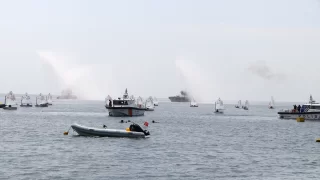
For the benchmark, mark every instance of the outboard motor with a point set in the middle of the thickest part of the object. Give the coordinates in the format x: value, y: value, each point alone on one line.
x: 137, y: 128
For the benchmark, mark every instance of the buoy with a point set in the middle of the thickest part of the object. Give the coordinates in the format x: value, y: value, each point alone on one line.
x: 127, y: 129
x: 300, y: 119
x: 318, y: 140
x: 65, y: 133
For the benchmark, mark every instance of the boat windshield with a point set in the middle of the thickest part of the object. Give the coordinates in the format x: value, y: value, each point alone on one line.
x: 120, y: 102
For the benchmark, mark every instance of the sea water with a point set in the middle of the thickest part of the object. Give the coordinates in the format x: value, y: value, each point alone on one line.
x: 187, y: 143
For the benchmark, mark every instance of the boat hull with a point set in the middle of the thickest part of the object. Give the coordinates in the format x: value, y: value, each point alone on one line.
x: 2, y: 105
x: 89, y: 131
x: 193, y: 105
x: 10, y: 108
x: 25, y: 105
x: 125, y: 111
x: 149, y: 109
x: 306, y: 115
x: 41, y: 105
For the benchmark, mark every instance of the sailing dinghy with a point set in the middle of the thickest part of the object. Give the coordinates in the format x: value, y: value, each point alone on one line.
x: 218, y: 106
x: 10, y: 102
x: 149, y: 104
x: 41, y: 101
x: 26, y: 101
x: 271, y: 103
x: 246, y: 105
x: 193, y: 103
x: 239, y: 104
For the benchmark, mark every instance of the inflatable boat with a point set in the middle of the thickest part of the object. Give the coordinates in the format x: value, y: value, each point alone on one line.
x: 2, y: 105
x: 10, y: 107
x: 134, y: 131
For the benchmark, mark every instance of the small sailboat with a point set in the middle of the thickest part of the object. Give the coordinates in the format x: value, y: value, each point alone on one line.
x: 10, y: 102
x: 49, y: 99
x: 26, y: 101
x: 193, y: 103
x: 271, y: 103
x: 239, y: 104
x: 155, y: 101
x: 246, y: 105
x: 218, y: 106
x: 149, y: 104
x: 41, y: 101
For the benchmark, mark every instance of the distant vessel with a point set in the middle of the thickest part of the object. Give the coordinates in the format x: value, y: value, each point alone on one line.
x: 239, y: 104
x: 125, y: 107
x: 193, y: 103
x: 180, y: 98
x: 218, y: 106
x: 155, y: 101
x: 149, y: 104
x: 49, y: 99
x: 41, y: 101
x: 246, y: 105
x: 10, y: 102
x: 309, y: 111
x: 26, y: 101
x: 271, y: 103
x: 67, y: 94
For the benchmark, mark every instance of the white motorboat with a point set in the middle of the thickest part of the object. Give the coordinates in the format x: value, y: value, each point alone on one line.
x: 49, y: 99
x: 26, y: 101
x: 193, y: 103
x: 155, y: 101
x: 246, y: 105
x: 10, y: 102
x: 239, y: 104
x: 271, y: 103
x: 149, y: 105
x: 125, y: 107
x: 218, y: 106
x: 134, y: 131
x: 41, y: 101
x: 309, y: 111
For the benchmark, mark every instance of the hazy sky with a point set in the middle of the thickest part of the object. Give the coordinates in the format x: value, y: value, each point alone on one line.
x: 248, y: 49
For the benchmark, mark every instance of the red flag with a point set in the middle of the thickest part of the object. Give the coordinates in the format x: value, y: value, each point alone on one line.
x: 146, y: 124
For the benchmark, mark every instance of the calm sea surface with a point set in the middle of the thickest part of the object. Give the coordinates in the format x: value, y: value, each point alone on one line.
x: 187, y: 143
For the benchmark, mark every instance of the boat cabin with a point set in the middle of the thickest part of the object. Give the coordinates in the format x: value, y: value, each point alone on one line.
x: 120, y: 103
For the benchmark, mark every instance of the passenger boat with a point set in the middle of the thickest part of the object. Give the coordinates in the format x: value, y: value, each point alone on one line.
x: 49, y: 99
x: 239, y: 104
x: 149, y: 104
x: 309, y: 111
x: 41, y: 101
x: 10, y: 102
x: 26, y: 101
x: 125, y: 107
x: 134, y: 131
x: 218, y: 106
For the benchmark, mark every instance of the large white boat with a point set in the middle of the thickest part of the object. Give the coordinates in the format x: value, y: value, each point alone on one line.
x: 218, y: 106
x: 26, y: 101
x: 155, y: 101
x: 246, y: 105
x: 271, y: 103
x: 41, y: 101
x: 10, y: 101
x: 309, y: 111
x: 149, y: 104
x: 49, y: 99
x: 239, y: 104
x: 193, y: 103
x: 125, y: 106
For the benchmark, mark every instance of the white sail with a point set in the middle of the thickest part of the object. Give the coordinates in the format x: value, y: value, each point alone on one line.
x: 271, y: 103
x: 239, y: 104
x: 155, y: 101
x: 40, y: 100
x: 26, y: 100
x: 140, y: 102
x: 10, y: 99
x: 49, y: 99
x: 246, y: 105
x: 219, y: 106
x: 193, y: 103
x: 149, y: 104
x: 107, y: 100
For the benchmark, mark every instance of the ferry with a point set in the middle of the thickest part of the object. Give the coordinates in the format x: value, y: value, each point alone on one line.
x: 309, y: 111
x: 125, y: 107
